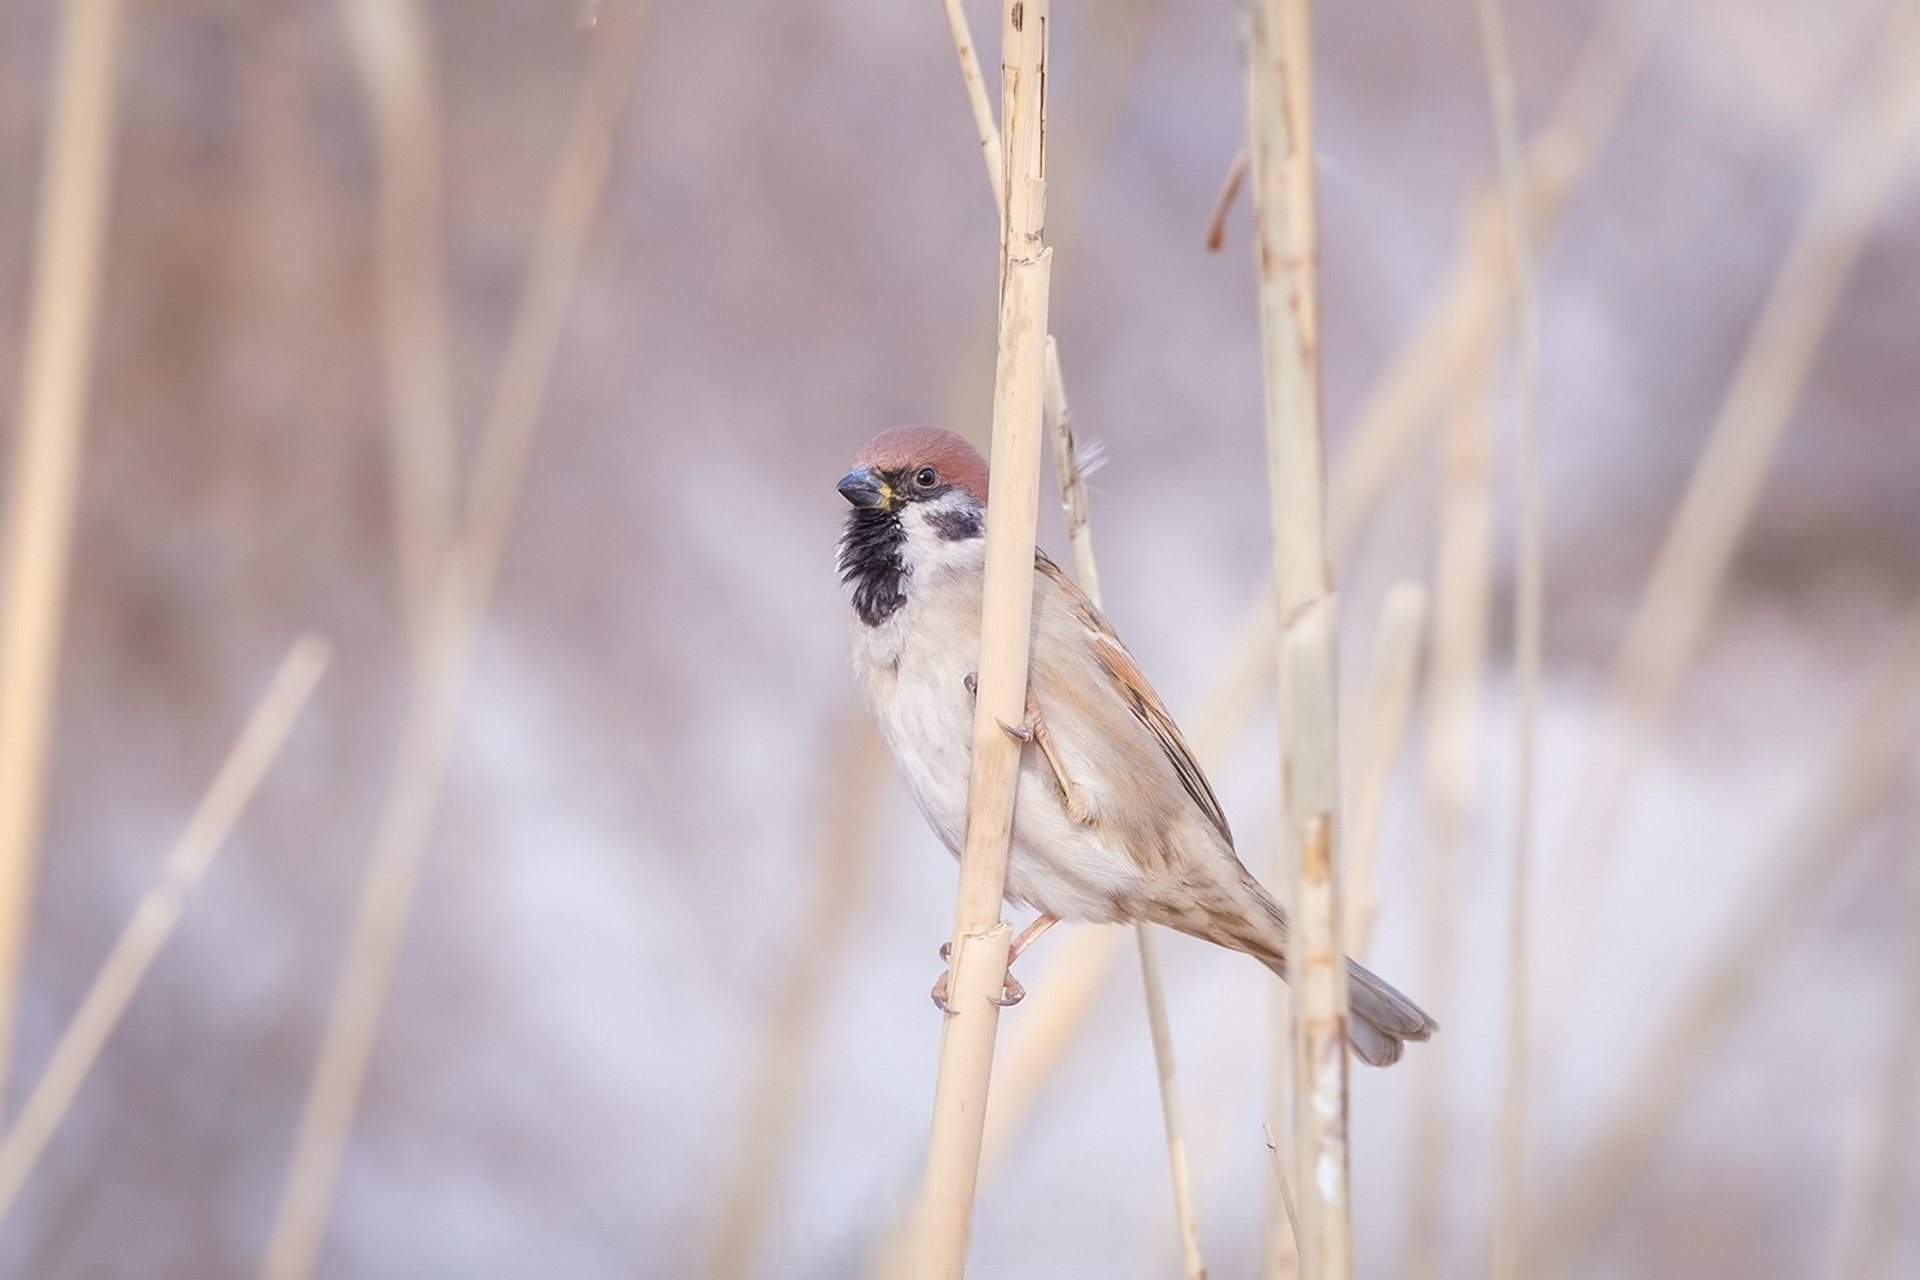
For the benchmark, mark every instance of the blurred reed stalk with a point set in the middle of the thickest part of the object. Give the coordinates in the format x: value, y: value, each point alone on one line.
x: 1464, y: 316
x: 1873, y: 753
x: 1528, y: 615
x: 460, y: 600
x: 1451, y: 768
x: 1073, y: 502
x: 1876, y: 1175
x: 1388, y: 699
x: 1280, y: 153
x: 153, y: 919
x: 69, y: 245
x: 842, y: 861
x: 980, y: 937
x: 1874, y: 146
x: 393, y: 49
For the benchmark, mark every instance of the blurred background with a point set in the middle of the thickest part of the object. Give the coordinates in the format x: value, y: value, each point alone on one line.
x: 661, y: 1004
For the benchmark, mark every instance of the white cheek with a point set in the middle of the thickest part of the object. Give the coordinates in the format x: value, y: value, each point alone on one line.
x: 928, y: 552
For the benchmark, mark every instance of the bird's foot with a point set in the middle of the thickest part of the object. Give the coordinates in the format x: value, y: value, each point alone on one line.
x: 1011, y: 992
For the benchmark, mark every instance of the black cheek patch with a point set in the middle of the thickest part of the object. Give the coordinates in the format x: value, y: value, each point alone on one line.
x: 956, y: 524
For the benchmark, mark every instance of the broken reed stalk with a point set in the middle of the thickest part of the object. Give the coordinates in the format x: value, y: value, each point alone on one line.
x: 1071, y: 474
x: 69, y: 244
x: 1408, y: 395
x: 1873, y: 752
x: 1389, y: 697
x: 1451, y: 768
x: 980, y: 937
x: 1528, y: 616
x: 392, y: 45
x: 433, y: 707
x: 1280, y: 151
x: 153, y: 919
x: 842, y: 868
x: 1873, y: 147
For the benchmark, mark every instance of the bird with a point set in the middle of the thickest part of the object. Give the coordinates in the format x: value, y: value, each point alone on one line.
x: 1114, y: 821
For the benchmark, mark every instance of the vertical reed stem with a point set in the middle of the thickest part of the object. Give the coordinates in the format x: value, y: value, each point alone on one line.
x: 70, y: 239
x: 980, y: 937
x: 1280, y: 146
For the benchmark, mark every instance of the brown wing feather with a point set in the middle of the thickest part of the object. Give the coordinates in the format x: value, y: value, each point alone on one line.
x: 1130, y: 684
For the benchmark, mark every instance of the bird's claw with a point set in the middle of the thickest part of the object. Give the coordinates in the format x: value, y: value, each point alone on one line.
x: 1023, y: 730
x: 1011, y: 992
x: 973, y: 685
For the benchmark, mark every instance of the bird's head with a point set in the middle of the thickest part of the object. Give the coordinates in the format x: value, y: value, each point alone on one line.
x: 919, y: 497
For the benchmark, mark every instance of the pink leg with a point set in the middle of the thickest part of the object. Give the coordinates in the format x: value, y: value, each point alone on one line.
x: 1012, y: 992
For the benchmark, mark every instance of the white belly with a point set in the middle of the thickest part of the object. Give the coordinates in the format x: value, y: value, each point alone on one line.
x: 915, y: 679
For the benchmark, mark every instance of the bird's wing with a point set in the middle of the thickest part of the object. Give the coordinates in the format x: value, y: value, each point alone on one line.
x: 1131, y: 687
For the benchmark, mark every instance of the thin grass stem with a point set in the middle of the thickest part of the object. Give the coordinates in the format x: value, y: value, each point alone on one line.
x: 154, y: 918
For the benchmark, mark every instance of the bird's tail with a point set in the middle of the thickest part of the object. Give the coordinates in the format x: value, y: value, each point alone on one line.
x: 1380, y: 1020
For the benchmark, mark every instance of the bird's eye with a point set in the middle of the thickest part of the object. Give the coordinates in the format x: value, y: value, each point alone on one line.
x: 925, y: 477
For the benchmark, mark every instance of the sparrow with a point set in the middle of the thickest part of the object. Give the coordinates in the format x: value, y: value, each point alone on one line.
x: 1113, y: 819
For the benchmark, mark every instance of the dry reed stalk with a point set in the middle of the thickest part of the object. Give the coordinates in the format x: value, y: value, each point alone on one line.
x: 1193, y: 1264
x: 1324, y: 1224
x: 1073, y: 502
x: 433, y: 709
x: 1069, y: 470
x: 1415, y: 383
x: 842, y: 861
x: 153, y: 919
x: 1528, y: 615
x: 1417, y: 380
x: 1463, y: 604
x: 1115, y: 45
x: 1873, y: 147
x: 69, y: 244
x: 1389, y: 697
x: 1280, y: 150
x: 1064, y: 993
x: 980, y: 937
x: 977, y: 101
x: 1876, y: 1171
x: 392, y: 44
x: 1875, y: 748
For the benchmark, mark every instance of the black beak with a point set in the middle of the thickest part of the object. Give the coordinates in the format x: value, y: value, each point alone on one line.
x: 863, y: 488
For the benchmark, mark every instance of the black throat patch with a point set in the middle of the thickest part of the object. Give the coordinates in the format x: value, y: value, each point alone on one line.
x: 873, y: 562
